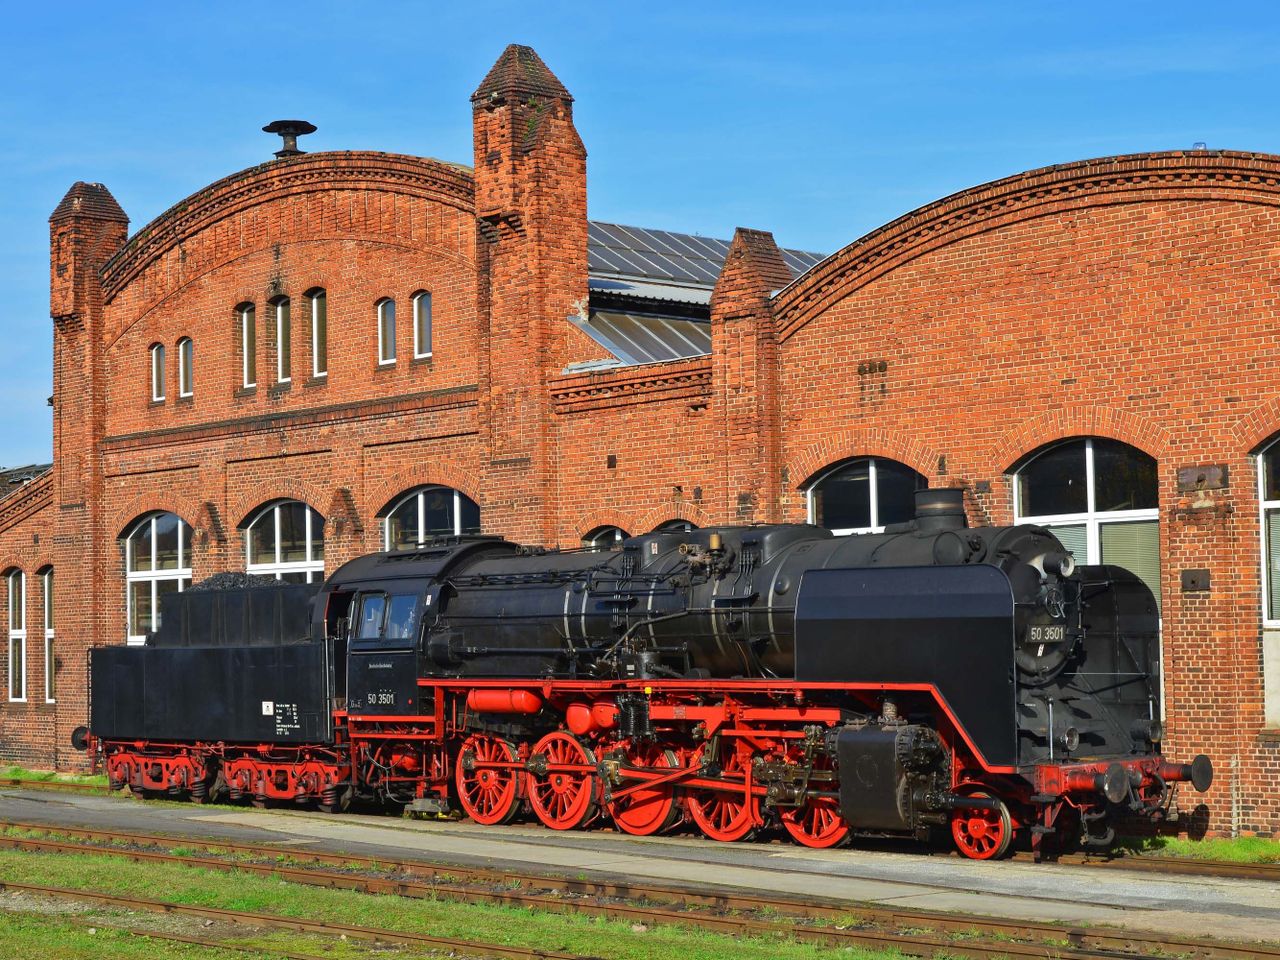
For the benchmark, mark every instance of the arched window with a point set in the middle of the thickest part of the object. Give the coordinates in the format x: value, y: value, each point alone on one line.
x: 675, y: 525
x: 50, y: 665
x: 864, y: 495
x: 1269, y: 498
x: 429, y: 512
x: 285, y: 540
x: 1100, y: 498
x: 248, y: 344
x: 319, y: 332
x: 386, y: 331
x: 17, y: 583
x: 186, y: 357
x: 157, y: 371
x: 284, y: 341
x: 157, y: 561
x: 421, y: 324
x: 604, y: 538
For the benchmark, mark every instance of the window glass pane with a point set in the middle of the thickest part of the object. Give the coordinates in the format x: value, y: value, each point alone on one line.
x: 387, y: 329
x: 167, y: 541
x: 1124, y: 478
x: 262, y: 538
x: 422, y: 322
x: 369, y: 626
x: 140, y: 547
x: 157, y: 373
x: 470, y: 511
x: 284, y: 340
x: 48, y: 601
x: 293, y: 532
x: 1273, y: 564
x: 1054, y: 482
x: 296, y: 577
x: 164, y: 587
x: 16, y: 670
x: 842, y: 500
x: 439, y: 512
x: 896, y: 486
x: 249, y: 333
x: 402, y: 525
x: 15, y: 601
x: 400, y: 616
x: 320, y: 333
x: 50, y: 665
x: 317, y: 536
x: 1136, y: 547
x: 187, y: 357
x: 139, y: 607
x: 1075, y: 537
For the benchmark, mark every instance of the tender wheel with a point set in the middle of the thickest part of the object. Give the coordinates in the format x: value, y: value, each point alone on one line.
x: 982, y: 834
x: 726, y: 815
x: 818, y: 821
x: 488, y: 794
x: 562, y: 794
x: 647, y: 810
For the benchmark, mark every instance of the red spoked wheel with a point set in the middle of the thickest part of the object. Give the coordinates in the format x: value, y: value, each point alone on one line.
x: 646, y: 810
x: 726, y: 815
x: 563, y: 790
x: 982, y: 834
x: 489, y: 793
x: 817, y: 822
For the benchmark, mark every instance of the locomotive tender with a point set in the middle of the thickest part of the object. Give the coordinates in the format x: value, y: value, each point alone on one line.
x: 735, y: 678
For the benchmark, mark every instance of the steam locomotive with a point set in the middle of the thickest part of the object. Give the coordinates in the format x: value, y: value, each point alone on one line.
x: 736, y: 679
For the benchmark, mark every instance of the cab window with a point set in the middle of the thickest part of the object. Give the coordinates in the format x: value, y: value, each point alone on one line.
x: 372, y: 607
x: 386, y: 617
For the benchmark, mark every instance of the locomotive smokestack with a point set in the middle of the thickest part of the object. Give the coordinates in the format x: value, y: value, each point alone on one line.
x: 941, y: 509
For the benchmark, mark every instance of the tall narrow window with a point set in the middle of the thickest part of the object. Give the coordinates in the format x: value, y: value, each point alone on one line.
x: 1100, y: 498
x: 286, y: 541
x: 284, y: 342
x: 319, y: 333
x: 864, y: 495
x: 17, y: 636
x: 186, y: 357
x: 157, y: 372
x: 1269, y: 498
x: 386, y: 331
x: 249, y: 345
x: 50, y: 665
x: 157, y: 555
x: 429, y: 512
x: 422, y: 324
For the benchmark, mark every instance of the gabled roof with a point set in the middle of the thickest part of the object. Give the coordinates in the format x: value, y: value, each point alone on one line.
x: 11, y: 478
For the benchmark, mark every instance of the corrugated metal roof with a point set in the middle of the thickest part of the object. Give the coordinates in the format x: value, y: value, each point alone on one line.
x: 615, y: 250
x: 645, y: 290
x: 636, y: 338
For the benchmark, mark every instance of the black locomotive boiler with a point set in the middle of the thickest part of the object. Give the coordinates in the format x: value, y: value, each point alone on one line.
x: 734, y: 678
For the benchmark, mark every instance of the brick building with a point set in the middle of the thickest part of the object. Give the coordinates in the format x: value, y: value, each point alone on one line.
x: 336, y: 352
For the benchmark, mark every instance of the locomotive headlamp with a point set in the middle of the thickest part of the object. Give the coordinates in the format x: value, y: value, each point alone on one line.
x: 1063, y: 564
x: 1152, y: 730
x: 1069, y: 739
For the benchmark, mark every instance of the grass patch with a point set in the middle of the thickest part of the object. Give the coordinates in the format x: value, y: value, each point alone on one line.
x: 27, y: 935
x: 22, y: 773
x: 586, y: 936
x: 1233, y: 850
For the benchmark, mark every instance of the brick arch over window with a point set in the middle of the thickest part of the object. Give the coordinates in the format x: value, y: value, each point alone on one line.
x: 594, y: 519
x: 673, y: 510
x: 846, y: 444
x: 382, y: 496
x: 1078, y: 421
x: 145, y: 504
x: 1137, y: 178
x: 246, y: 507
x: 1258, y: 428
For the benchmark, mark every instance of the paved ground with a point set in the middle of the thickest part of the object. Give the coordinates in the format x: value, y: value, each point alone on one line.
x: 1232, y: 909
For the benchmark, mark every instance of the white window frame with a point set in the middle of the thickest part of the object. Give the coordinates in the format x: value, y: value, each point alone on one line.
x: 18, y: 635
x: 605, y: 537
x: 873, y: 492
x: 157, y: 372
x: 421, y: 494
x: 181, y: 573
x: 418, y: 298
x: 383, y: 359
x: 1092, y: 519
x: 186, y: 363
x: 1264, y: 507
x: 313, y: 568
x: 46, y: 585
x: 317, y: 297
x: 249, y: 346
x: 284, y: 324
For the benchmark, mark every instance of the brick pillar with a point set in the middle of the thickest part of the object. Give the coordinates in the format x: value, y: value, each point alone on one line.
x: 531, y: 260
x: 744, y: 348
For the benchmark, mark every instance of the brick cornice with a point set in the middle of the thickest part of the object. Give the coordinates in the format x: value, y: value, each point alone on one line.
x: 1135, y: 178
x: 678, y: 380
x: 27, y: 500
x: 419, y: 176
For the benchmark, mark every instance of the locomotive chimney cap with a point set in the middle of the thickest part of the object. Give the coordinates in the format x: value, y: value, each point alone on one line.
x: 289, y: 131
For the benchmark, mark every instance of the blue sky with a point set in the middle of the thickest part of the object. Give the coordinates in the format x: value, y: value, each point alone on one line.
x: 816, y: 121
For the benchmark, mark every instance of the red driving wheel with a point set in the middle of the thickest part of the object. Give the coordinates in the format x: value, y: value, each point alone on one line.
x: 726, y: 815
x: 646, y: 810
x: 817, y: 822
x: 564, y: 796
x: 982, y: 834
x: 489, y: 794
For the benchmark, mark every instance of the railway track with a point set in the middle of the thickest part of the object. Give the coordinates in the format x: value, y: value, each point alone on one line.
x: 65, y: 786
x: 919, y: 933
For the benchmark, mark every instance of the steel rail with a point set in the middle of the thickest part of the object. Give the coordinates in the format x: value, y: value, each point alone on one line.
x: 1015, y: 934
x: 66, y: 786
